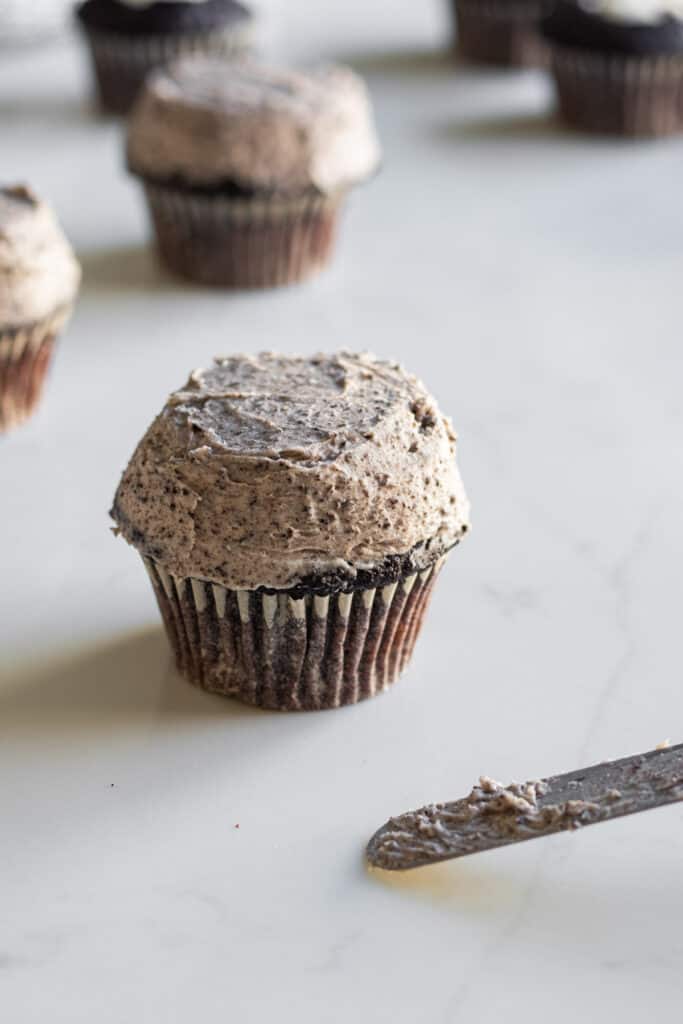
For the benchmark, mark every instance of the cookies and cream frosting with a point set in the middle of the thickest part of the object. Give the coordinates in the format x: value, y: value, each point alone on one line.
x: 38, y: 271
x: 204, y: 121
x: 268, y: 469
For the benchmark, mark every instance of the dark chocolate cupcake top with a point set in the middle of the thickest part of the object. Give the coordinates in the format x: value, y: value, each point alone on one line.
x: 270, y: 470
x: 206, y: 122
x: 39, y: 275
x: 627, y: 27
x: 161, y: 17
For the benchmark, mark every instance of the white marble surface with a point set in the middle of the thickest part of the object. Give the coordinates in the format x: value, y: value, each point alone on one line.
x: 534, y: 280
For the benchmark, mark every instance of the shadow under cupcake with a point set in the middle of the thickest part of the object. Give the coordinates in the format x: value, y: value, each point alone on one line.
x: 128, y: 39
x: 293, y: 514
x: 246, y: 168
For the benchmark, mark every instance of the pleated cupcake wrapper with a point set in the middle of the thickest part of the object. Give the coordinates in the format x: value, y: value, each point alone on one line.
x: 285, y: 653
x: 121, y: 63
x: 502, y: 32
x: 615, y: 94
x: 25, y: 355
x: 261, y: 242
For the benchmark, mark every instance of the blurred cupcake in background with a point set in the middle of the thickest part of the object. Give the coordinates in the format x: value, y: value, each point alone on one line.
x: 129, y: 38
x: 293, y: 514
x: 245, y: 168
x: 39, y: 279
x: 501, y: 32
x: 618, y: 64
x: 28, y: 21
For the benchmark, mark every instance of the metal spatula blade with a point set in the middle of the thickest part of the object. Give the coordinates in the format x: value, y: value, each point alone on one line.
x: 494, y: 815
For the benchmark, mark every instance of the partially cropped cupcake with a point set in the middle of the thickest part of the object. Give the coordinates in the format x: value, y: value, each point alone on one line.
x: 246, y: 168
x: 501, y: 32
x: 39, y: 279
x: 618, y: 65
x: 293, y: 514
x: 129, y: 38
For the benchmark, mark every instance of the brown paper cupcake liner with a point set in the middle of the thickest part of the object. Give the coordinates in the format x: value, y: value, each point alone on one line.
x: 616, y: 94
x: 25, y: 356
x: 243, y: 243
x: 121, y: 63
x: 292, y: 653
x: 501, y: 32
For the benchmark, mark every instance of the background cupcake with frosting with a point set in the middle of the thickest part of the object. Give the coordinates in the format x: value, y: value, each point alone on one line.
x: 618, y: 64
x: 246, y: 168
x: 39, y: 279
x: 129, y: 38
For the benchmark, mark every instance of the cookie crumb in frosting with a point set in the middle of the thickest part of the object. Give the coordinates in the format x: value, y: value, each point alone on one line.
x: 263, y: 470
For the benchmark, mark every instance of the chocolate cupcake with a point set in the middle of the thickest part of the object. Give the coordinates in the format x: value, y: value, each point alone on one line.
x: 246, y: 168
x: 129, y: 38
x: 618, y: 65
x: 501, y: 32
x: 39, y: 279
x: 293, y: 514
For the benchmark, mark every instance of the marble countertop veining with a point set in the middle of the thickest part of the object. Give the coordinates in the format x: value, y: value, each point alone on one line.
x: 169, y: 856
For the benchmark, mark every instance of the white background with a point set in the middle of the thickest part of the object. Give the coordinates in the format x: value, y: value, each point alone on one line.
x: 533, y: 279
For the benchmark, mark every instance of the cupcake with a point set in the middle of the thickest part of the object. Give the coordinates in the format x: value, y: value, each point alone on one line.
x: 618, y: 65
x: 129, y: 38
x: 39, y: 279
x: 245, y: 168
x: 28, y: 21
x: 502, y: 32
x: 293, y: 514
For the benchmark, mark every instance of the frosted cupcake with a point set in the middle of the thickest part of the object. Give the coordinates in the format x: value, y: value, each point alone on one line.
x: 294, y: 514
x: 618, y: 65
x: 129, y: 38
x: 246, y: 168
x: 39, y: 279
x: 501, y: 32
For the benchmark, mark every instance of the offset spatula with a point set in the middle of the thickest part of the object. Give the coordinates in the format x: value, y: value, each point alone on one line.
x: 494, y: 815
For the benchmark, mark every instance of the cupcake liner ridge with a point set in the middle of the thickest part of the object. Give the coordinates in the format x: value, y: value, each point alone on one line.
x: 259, y: 242
x: 25, y: 357
x: 619, y: 94
x: 285, y: 652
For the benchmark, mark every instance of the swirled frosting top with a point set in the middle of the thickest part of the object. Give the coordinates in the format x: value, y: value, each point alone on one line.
x: 268, y: 470
x: 38, y: 271
x: 204, y: 121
